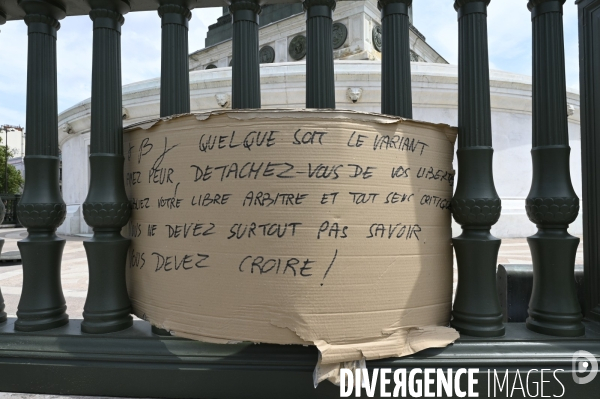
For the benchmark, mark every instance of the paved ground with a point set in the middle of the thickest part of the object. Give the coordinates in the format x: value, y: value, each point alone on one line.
x: 75, y: 272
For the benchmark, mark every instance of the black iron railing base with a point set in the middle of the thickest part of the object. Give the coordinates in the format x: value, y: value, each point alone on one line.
x: 136, y: 363
x: 42, y: 305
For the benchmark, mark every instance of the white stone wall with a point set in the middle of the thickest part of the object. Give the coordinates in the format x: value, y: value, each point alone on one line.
x: 435, y: 99
x: 359, y: 17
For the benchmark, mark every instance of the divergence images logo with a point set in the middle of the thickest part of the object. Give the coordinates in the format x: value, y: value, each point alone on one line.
x: 585, y: 367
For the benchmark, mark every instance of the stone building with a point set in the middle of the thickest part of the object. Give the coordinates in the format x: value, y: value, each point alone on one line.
x: 357, y: 44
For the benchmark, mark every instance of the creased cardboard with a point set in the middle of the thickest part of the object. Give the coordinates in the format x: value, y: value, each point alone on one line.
x: 329, y: 228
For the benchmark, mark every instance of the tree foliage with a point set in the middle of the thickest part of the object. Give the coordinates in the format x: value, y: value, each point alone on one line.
x: 15, y: 180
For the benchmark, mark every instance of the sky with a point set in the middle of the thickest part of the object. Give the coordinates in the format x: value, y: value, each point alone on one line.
x: 509, y: 37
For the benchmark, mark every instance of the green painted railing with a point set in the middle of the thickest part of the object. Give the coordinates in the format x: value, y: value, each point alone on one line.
x: 41, y: 351
x: 10, y: 202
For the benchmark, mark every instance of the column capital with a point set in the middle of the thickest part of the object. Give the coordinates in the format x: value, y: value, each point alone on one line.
x: 390, y: 7
x: 174, y: 14
x: 459, y: 3
x: 42, y: 16
x: 49, y: 8
x: 108, y: 13
x: 172, y: 8
x: 244, y: 10
x: 464, y: 7
x: 117, y: 6
x: 538, y: 7
x: 319, y: 8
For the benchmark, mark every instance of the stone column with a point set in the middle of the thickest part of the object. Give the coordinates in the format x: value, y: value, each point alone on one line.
x: 174, y: 71
x: 106, y: 208
x: 476, y: 205
x: 552, y: 203
x: 396, y: 93
x: 320, y: 83
x: 245, y: 84
x: 41, y: 209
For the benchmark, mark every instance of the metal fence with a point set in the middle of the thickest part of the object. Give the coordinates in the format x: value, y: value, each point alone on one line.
x: 10, y: 202
x: 551, y: 205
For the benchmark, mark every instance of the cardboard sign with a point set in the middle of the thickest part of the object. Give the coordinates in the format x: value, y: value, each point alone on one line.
x: 329, y: 228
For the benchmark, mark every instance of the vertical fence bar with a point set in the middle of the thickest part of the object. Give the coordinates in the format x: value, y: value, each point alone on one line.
x: 174, y: 68
x: 476, y: 205
x: 106, y: 208
x: 589, y: 65
x: 320, y: 83
x: 245, y: 85
x: 2, y: 214
x: 41, y: 209
x: 174, y: 64
x: 2, y: 211
x: 396, y: 93
x: 552, y: 203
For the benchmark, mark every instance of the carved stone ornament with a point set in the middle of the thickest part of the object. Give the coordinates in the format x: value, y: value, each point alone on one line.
x: 125, y: 113
x: 297, y: 48
x: 266, y: 55
x: 223, y: 99
x: 340, y: 33
x: 211, y: 66
x: 67, y: 128
x: 231, y: 62
x: 377, y: 37
x: 354, y: 94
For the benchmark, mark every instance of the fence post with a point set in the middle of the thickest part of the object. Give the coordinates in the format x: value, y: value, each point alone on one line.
x: 245, y: 84
x: 476, y: 205
x: 106, y: 208
x: 320, y: 83
x: 41, y: 209
x: 174, y: 67
x: 396, y: 93
x: 589, y: 49
x: 14, y: 210
x: 2, y: 214
x: 552, y: 203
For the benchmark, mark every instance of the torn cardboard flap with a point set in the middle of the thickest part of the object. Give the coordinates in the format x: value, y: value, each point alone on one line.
x: 329, y: 228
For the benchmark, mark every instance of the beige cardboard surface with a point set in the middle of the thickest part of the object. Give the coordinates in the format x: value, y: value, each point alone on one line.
x: 329, y: 228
